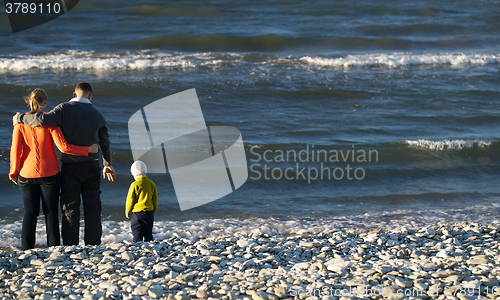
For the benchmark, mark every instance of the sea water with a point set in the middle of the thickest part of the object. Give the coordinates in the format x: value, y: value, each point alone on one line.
x: 416, y: 83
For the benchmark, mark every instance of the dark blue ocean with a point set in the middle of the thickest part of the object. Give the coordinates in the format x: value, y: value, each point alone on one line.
x: 414, y: 83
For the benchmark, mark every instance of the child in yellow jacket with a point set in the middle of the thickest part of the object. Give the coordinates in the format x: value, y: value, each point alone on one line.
x: 142, y: 203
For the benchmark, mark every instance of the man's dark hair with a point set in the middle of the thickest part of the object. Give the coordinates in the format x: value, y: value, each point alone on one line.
x: 84, y: 87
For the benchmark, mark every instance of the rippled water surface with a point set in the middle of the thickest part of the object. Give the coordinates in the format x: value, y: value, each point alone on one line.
x: 415, y: 83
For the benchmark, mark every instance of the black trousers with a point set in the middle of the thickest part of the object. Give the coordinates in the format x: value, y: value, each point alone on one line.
x: 82, y: 178
x: 142, y: 225
x: 34, y: 189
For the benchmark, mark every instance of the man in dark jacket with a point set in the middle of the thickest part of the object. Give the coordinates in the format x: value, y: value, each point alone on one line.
x: 81, y: 124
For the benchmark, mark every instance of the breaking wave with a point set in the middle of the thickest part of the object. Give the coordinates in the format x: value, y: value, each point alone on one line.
x: 448, y: 144
x: 82, y: 60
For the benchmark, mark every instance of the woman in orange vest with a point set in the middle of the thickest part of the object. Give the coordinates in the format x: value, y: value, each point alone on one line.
x: 34, y: 167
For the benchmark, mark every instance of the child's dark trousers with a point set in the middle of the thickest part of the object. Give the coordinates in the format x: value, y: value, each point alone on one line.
x: 142, y: 225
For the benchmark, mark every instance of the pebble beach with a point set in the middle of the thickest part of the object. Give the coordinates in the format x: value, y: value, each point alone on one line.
x: 443, y: 261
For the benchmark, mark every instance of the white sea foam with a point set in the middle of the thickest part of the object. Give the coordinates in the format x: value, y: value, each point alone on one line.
x: 449, y: 144
x: 83, y: 60
x: 403, y: 59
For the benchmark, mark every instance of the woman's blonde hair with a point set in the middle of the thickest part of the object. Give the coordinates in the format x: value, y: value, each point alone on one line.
x: 35, y: 100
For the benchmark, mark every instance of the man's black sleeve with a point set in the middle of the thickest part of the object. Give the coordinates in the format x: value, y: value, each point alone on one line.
x: 53, y: 118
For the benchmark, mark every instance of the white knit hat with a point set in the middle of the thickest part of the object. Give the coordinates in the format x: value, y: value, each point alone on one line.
x: 138, y: 167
